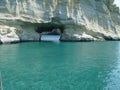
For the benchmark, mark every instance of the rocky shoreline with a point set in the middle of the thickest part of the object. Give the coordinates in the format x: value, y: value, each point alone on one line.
x: 83, y: 20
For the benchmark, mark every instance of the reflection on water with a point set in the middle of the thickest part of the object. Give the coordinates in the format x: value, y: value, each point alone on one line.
x: 61, y: 66
x: 50, y: 37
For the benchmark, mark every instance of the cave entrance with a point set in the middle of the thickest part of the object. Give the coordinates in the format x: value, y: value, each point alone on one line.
x: 50, y: 31
x: 54, y: 35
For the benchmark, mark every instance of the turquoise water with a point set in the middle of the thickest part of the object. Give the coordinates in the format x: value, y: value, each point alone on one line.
x: 60, y: 66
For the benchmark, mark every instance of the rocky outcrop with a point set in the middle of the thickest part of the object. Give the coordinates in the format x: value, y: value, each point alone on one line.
x: 84, y: 20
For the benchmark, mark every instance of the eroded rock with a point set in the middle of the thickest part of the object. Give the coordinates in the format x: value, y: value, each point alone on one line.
x: 84, y: 20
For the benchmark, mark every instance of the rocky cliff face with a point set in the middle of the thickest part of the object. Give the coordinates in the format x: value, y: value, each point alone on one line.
x: 84, y: 20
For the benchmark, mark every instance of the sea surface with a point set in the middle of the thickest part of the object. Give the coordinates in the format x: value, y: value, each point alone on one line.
x: 60, y: 66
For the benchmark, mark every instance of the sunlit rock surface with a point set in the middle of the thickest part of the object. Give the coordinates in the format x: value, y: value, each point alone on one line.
x: 8, y: 34
x: 84, y: 20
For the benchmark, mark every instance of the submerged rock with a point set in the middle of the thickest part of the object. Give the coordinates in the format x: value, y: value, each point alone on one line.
x: 84, y: 20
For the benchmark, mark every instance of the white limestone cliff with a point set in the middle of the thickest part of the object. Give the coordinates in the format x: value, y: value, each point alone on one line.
x: 84, y: 20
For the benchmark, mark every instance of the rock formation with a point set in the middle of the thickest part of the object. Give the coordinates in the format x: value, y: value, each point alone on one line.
x: 84, y: 20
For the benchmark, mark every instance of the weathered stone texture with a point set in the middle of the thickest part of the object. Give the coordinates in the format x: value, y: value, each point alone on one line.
x: 83, y: 19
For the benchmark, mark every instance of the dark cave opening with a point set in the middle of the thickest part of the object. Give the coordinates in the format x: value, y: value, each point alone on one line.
x: 49, y: 29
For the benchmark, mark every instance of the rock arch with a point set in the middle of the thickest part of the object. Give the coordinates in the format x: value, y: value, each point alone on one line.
x: 48, y: 27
